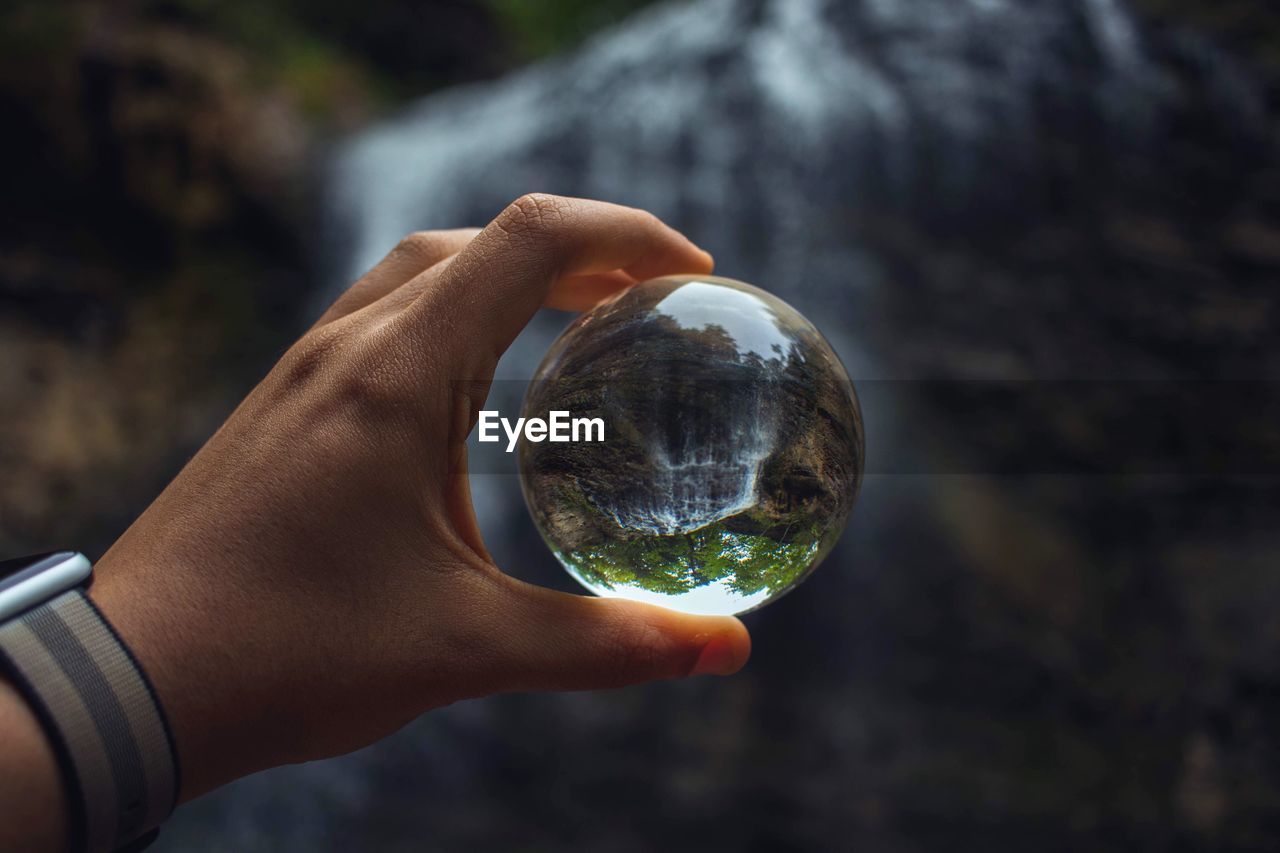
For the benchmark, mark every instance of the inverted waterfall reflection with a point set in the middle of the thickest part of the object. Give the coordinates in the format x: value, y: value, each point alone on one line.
x: 705, y: 464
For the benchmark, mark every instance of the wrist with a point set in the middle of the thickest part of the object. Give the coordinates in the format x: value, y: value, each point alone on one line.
x: 33, y: 796
x: 156, y: 625
x: 94, y: 706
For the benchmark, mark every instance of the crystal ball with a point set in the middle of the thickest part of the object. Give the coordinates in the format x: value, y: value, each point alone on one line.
x: 732, y: 447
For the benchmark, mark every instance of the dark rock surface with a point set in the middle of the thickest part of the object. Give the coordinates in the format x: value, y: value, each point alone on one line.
x: 1044, y: 656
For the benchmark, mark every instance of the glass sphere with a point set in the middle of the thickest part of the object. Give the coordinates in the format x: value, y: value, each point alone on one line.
x: 732, y: 448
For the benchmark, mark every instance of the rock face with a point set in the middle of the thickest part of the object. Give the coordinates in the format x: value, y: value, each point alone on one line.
x: 1031, y: 650
x: 147, y: 259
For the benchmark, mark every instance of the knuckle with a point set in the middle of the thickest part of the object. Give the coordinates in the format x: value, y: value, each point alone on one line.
x: 648, y: 219
x: 420, y: 246
x: 640, y: 651
x: 473, y: 639
x: 370, y: 390
x: 311, y: 357
x: 533, y: 214
x: 340, y: 372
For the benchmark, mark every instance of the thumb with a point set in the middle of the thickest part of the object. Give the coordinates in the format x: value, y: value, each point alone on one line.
x: 574, y: 642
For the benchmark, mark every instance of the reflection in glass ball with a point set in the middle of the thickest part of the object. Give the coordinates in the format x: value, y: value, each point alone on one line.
x: 732, y: 451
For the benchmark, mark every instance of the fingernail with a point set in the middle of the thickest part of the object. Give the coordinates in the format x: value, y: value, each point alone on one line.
x: 716, y: 658
x: 711, y: 261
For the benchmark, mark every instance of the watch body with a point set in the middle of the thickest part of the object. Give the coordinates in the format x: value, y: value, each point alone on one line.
x: 97, y: 706
x: 26, y: 582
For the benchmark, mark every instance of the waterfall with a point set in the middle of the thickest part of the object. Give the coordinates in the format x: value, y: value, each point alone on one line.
x: 707, y: 475
x: 946, y: 188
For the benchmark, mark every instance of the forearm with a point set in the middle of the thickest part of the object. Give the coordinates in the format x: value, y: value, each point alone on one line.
x: 31, y: 794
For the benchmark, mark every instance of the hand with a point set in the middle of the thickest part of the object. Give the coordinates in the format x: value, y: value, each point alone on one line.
x: 314, y: 579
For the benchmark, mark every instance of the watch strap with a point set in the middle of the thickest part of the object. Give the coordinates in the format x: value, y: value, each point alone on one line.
x: 101, y: 713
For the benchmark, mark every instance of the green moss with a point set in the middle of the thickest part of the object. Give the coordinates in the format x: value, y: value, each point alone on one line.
x: 284, y: 50
x: 541, y: 29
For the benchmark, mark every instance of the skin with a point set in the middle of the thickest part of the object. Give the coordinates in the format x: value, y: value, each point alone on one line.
x: 314, y: 579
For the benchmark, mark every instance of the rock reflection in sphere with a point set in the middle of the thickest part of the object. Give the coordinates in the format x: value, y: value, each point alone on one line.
x: 733, y: 446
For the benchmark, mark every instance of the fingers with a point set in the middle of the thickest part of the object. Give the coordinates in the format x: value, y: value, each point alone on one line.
x: 576, y: 293
x: 559, y: 641
x: 413, y: 255
x: 493, y: 287
x: 584, y: 292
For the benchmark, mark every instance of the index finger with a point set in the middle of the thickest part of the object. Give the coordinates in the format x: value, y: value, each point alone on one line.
x: 412, y: 256
x: 493, y: 287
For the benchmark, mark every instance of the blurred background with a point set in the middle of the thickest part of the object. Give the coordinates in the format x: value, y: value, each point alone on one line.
x: 1023, y: 640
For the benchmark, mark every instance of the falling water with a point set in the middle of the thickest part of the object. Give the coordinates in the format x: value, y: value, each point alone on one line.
x: 709, y: 472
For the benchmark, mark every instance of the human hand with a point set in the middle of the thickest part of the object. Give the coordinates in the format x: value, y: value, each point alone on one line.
x: 314, y: 578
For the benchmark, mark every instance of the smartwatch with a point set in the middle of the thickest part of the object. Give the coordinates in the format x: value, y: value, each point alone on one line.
x: 95, y: 703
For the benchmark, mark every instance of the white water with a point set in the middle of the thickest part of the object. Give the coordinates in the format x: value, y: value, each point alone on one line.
x: 703, y: 480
